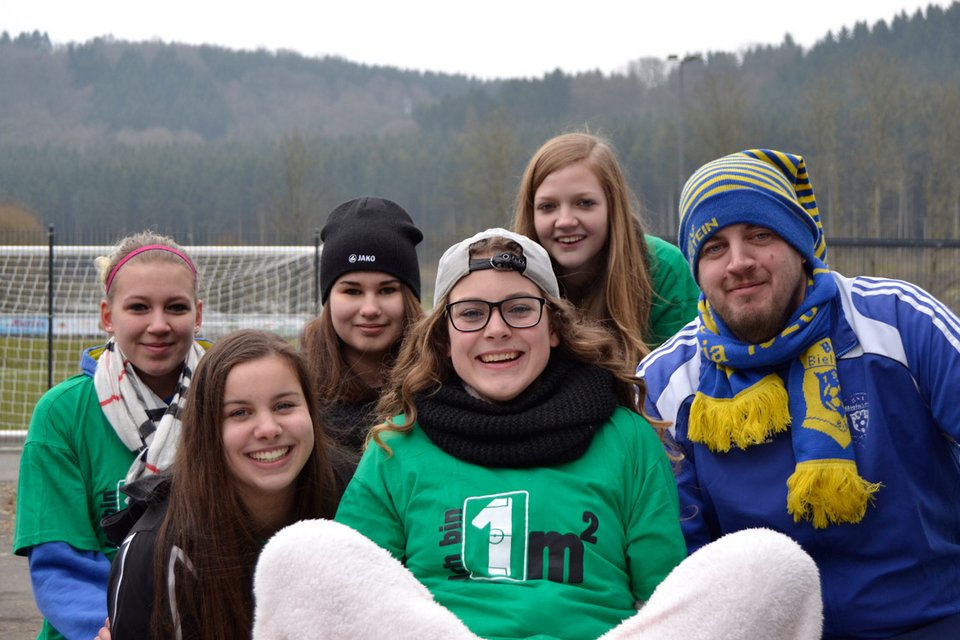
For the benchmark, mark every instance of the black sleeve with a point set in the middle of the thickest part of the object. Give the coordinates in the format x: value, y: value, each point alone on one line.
x: 141, y: 495
x: 130, y: 591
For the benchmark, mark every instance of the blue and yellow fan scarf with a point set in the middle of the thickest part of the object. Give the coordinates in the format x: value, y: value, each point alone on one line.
x: 743, y: 400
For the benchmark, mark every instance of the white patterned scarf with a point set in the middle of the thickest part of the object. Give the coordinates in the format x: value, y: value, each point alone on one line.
x: 144, y: 422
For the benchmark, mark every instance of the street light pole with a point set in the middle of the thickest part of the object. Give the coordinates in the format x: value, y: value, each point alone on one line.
x: 681, y: 169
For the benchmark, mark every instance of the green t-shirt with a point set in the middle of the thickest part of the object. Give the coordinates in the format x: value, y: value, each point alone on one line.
x: 546, y: 552
x: 71, y: 469
x: 675, y: 292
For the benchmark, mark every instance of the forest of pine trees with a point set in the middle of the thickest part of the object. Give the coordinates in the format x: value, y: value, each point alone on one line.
x: 220, y: 146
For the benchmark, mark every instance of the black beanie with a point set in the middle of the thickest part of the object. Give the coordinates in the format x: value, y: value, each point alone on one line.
x: 369, y: 234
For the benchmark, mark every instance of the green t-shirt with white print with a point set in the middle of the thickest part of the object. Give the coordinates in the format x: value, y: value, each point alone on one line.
x: 507, y: 549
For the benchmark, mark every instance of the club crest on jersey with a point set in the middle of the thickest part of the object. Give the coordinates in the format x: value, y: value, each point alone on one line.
x: 858, y: 414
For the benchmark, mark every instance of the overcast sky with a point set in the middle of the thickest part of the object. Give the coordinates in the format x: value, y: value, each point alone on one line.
x: 483, y: 38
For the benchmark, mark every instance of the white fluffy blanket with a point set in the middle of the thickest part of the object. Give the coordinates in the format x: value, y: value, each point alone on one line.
x: 320, y: 579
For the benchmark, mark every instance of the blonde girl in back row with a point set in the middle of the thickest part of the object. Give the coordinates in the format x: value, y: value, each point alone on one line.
x: 574, y: 200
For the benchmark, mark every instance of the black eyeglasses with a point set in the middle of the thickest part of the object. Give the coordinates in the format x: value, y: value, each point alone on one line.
x: 520, y: 312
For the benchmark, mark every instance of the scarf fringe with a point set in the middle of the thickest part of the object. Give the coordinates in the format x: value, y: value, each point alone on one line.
x: 829, y: 491
x: 748, y: 418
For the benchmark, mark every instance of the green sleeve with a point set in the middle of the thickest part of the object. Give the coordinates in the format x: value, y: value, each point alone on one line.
x: 655, y: 542
x: 52, y: 500
x: 675, y: 292
x: 71, y: 468
x: 369, y: 506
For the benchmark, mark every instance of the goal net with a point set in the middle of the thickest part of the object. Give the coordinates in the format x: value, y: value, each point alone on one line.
x: 265, y: 287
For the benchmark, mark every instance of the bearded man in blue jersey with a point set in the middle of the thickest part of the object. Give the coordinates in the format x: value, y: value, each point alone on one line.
x: 817, y: 405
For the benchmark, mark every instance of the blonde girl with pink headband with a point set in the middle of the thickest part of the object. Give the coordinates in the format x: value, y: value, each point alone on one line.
x: 113, y: 423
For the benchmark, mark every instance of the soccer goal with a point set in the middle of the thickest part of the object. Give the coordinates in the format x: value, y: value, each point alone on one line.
x: 266, y: 287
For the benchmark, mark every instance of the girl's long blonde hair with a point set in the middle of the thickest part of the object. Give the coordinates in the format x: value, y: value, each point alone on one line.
x: 623, y: 299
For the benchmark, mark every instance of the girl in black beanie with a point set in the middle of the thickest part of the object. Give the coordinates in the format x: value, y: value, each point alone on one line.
x: 370, y: 287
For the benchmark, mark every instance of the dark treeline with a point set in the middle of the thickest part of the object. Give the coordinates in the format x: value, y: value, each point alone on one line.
x: 222, y: 146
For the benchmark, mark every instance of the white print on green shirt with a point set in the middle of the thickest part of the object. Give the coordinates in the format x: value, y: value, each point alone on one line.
x: 495, y: 542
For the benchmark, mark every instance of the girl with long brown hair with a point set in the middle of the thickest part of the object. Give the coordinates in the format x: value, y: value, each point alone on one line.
x: 252, y: 460
x: 370, y: 287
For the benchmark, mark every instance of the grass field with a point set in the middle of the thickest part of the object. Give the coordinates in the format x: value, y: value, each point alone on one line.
x: 23, y: 373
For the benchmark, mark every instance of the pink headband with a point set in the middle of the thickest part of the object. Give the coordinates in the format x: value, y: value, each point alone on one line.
x: 149, y: 247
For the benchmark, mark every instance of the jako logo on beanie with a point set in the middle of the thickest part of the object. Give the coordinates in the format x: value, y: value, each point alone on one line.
x: 369, y: 234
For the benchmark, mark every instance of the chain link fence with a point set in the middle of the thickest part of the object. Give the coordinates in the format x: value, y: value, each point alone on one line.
x: 47, y: 316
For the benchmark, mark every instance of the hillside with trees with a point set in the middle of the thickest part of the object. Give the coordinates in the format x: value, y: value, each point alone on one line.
x: 214, y: 145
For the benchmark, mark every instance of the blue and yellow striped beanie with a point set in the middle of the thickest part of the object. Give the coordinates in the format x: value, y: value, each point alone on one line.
x: 758, y: 186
